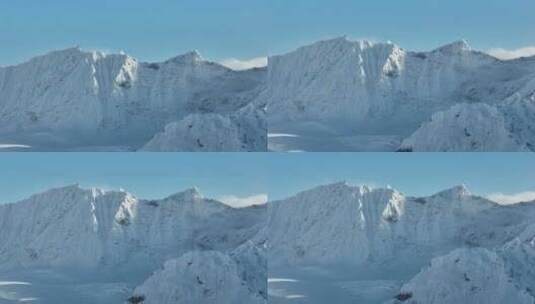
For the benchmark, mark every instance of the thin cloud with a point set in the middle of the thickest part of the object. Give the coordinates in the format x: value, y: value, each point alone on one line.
x: 509, y: 199
x: 512, y: 54
x: 239, y: 202
x: 239, y: 65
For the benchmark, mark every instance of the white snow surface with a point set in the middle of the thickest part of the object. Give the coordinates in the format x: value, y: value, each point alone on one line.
x: 96, y: 238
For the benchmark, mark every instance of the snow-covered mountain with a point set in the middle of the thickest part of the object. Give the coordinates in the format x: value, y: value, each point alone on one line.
x: 332, y: 95
x: 338, y: 93
x: 116, y: 236
x: 366, y: 224
x: 480, y: 252
x: 72, y: 99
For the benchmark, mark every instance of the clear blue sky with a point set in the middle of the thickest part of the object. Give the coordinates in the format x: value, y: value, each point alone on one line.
x: 147, y: 175
x: 155, y: 175
x: 158, y: 29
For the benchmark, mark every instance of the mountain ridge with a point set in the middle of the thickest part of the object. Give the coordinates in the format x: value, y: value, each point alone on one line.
x: 76, y: 98
x: 363, y: 223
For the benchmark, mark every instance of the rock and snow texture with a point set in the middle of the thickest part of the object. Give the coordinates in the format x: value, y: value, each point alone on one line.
x: 479, y: 251
x: 114, y: 235
x: 464, y: 127
x: 70, y: 99
x: 197, y: 277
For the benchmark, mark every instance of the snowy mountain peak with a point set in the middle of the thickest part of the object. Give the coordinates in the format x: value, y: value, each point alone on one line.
x: 455, y: 47
x: 74, y: 186
x: 66, y: 51
x: 352, y: 190
x: 65, y: 189
x: 76, y: 191
x: 191, y: 57
x: 52, y: 56
x: 70, y: 57
x: 339, y: 46
x: 191, y: 194
x: 457, y: 192
x: 341, y: 184
x: 96, y: 192
x: 342, y: 40
x: 340, y: 187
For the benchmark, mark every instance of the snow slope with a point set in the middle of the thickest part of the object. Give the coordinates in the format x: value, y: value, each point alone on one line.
x: 464, y: 127
x: 243, y: 131
x: 99, y: 237
x: 206, y: 277
x: 71, y: 98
